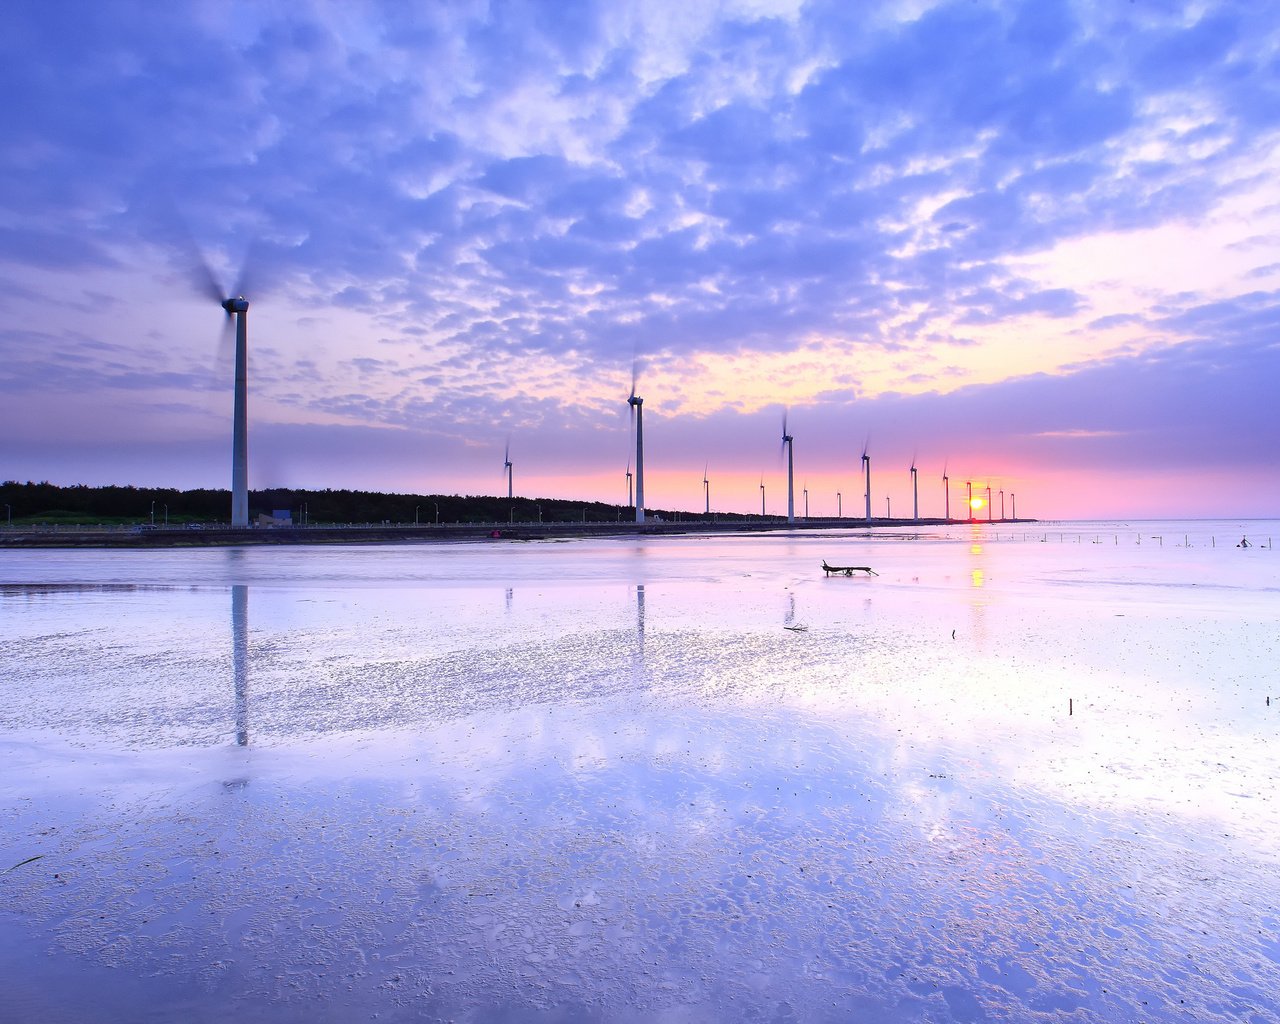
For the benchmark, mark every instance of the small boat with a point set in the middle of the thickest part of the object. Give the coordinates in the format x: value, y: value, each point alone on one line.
x: 847, y: 570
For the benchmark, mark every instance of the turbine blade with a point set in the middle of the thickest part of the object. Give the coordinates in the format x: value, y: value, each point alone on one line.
x: 250, y: 281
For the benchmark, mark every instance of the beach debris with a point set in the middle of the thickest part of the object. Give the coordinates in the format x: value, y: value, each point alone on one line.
x: 797, y: 628
x: 847, y: 570
x: 38, y: 856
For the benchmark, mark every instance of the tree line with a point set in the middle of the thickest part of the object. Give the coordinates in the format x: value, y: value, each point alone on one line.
x: 45, y: 502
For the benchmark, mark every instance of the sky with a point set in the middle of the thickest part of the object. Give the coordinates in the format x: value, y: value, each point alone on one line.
x: 1032, y: 245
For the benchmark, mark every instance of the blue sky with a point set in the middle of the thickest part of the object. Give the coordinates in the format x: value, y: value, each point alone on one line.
x: 1034, y: 244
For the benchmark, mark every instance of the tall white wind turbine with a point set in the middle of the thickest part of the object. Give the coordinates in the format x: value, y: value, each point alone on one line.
x: 506, y: 468
x: 237, y: 309
x: 788, y: 442
x: 915, y: 492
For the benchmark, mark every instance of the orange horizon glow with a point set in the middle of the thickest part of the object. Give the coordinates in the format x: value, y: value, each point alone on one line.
x: 977, y: 503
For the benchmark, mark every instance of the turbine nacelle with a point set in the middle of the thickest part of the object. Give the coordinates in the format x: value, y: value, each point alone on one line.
x: 237, y: 305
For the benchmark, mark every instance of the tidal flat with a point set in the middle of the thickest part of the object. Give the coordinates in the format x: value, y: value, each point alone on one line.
x: 1020, y: 775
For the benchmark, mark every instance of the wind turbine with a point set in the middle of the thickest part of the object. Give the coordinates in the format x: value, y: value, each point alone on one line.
x: 788, y: 442
x: 915, y: 492
x: 637, y: 417
x: 988, y: 503
x: 969, y: 498
x: 706, y: 487
x: 946, y: 494
x: 237, y: 307
x: 866, y: 473
x: 762, y: 497
x: 628, y: 480
x: 506, y: 467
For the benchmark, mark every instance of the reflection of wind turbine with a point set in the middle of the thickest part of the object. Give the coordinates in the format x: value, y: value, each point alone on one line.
x: 788, y: 442
x: 506, y: 467
x: 915, y: 492
x: 638, y: 674
x: 637, y: 416
x: 240, y: 659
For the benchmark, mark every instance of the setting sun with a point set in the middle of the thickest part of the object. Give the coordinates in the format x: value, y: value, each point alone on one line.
x: 977, y: 503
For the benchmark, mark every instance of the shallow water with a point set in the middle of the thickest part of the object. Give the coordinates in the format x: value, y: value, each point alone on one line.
x: 1019, y: 775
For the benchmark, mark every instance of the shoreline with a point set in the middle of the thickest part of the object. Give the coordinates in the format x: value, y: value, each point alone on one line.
x: 182, y: 537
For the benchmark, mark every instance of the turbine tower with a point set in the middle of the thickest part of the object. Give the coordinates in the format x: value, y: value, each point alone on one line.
x: 915, y: 492
x: 629, y: 500
x: 706, y: 487
x: 946, y: 495
x: 238, y: 307
x: 506, y: 467
x: 968, y: 484
x: 788, y: 442
x: 637, y: 415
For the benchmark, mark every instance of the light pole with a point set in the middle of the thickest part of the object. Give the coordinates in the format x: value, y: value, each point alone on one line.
x: 153, y: 513
x: 166, y: 515
x: 539, y: 513
x: 437, y: 505
x: 888, y: 509
x: 1014, y: 498
x: 415, y: 514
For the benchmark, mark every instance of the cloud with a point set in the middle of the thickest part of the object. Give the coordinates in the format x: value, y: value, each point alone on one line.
x: 455, y: 206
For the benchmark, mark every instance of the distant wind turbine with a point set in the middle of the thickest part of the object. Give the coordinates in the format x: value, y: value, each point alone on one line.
x: 506, y: 467
x: 762, y: 497
x: 637, y: 416
x: 946, y: 494
x: 866, y: 473
x: 915, y: 492
x: 706, y: 487
x: 628, y: 480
